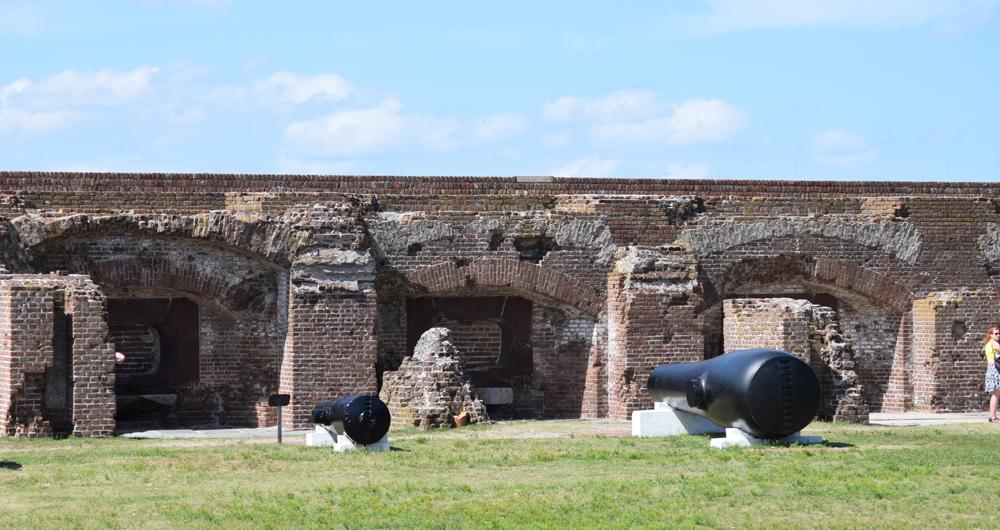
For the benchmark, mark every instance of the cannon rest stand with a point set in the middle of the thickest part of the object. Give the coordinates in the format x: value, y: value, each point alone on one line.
x: 738, y: 438
x: 665, y: 420
x: 328, y: 436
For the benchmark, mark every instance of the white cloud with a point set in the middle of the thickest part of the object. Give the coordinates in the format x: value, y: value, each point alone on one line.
x: 13, y: 88
x: 76, y: 88
x: 843, y: 149
x: 588, y: 166
x: 640, y: 117
x: 428, y: 132
x: 296, y: 89
x: 499, y: 126
x: 178, y: 96
x: 15, y: 121
x: 53, y: 102
x: 348, y: 132
x: 619, y: 105
x: 694, y: 121
x: 725, y: 16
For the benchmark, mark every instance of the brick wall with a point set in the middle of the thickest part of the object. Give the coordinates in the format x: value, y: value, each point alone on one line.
x: 31, y: 398
x: 948, y: 364
x: 653, y: 297
x: 776, y: 323
x: 562, y: 344
x: 93, y: 361
x: 330, y: 349
x: 239, y: 244
x: 478, y: 341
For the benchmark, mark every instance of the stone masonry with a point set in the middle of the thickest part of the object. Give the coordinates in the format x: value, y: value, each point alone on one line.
x: 224, y: 289
x: 430, y: 388
x: 810, y: 332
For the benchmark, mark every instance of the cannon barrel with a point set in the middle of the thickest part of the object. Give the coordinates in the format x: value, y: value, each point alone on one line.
x: 764, y: 393
x: 364, y: 419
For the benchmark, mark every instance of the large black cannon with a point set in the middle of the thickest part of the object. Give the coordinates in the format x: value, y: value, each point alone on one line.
x: 364, y: 419
x: 764, y: 393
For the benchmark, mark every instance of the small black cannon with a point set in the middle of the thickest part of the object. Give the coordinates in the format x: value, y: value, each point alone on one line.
x: 364, y: 419
x: 764, y: 393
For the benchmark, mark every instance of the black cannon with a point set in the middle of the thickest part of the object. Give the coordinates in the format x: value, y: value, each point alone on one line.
x: 764, y: 393
x: 364, y: 419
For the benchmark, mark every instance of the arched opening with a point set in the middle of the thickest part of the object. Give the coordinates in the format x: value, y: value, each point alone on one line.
x: 528, y: 334
x: 869, y: 311
x: 201, y: 326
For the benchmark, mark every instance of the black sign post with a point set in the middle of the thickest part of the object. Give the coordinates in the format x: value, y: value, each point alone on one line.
x: 278, y: 400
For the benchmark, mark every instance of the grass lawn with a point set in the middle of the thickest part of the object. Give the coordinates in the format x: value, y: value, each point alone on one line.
x: 564, y: 474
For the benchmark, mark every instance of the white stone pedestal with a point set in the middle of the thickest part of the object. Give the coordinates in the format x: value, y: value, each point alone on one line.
x: 738, y: 438
x: 328, y: 437
x: 665, y: 420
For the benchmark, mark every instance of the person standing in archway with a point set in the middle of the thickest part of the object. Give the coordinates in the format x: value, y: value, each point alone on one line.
x: 991, y: 348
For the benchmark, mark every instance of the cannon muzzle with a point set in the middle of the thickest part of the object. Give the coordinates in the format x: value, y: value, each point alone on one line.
x: 364, y: 419
x: 764, y: 393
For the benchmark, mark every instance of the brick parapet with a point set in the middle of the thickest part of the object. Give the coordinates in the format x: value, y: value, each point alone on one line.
x: 437, y: 185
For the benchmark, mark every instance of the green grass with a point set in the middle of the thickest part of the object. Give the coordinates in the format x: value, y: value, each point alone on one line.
x: 501, y: 476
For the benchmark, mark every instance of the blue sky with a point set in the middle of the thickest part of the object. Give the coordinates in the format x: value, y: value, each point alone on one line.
x: 780, y: 89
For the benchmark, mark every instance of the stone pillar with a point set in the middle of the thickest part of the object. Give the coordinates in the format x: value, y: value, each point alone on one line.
x: 34, y: 392
x: 899, y: 393
x: 93, y: 357
x: 330, y: 346
x: 652, y: 297
x: 595, y: 392
x: 25, y: 353
x: 948, y: 363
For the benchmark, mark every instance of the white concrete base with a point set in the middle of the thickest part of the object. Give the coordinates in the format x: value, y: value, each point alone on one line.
x: 667, y: 421
x: 738, y: 438
x: 327, y: 437
x: 321, y: 437
x: 494, y: 395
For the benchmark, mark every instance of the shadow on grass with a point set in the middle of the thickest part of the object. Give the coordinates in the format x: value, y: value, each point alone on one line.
x: 399, y: 449
x: 825, y: 444
x: 822, y: 445
x: 13, y: 466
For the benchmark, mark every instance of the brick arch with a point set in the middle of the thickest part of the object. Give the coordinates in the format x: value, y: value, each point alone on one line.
x: 875, y: 285
x: 157, y: 273
x: 509, y: 274
x: 901, y: 240
x: 272, y: 241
